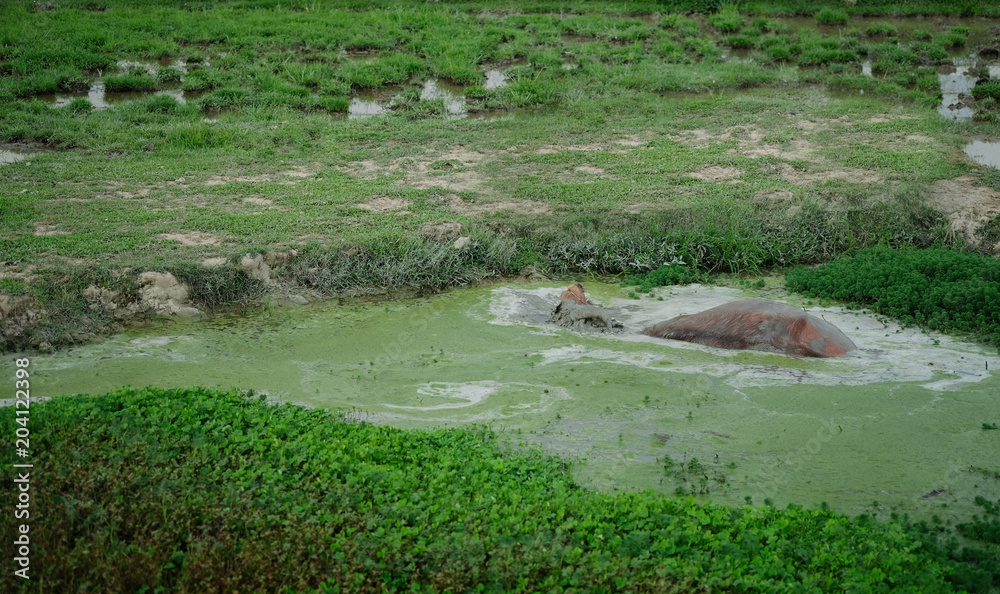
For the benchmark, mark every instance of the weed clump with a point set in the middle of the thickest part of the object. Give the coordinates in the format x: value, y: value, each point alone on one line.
x: 79, y: 106
x: 677, y: 274
x: 831, y: 16
x: 169, y: 74
x: 940, y: 289
x: 727, y: 20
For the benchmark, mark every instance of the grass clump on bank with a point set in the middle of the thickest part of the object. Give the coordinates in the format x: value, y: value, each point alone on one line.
x: 193, y: 490
x: 940, y: 289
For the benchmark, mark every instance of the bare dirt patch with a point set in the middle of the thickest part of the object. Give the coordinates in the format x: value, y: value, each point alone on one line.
x: 258, y: 201
x: 476, y: 208
x: 218, y: 180
x: 557, y: 148
x: 631, y: 140
x: 140, y: 193
x: 191, y: 238
x: 798, y: 150
x: 966, y: 205
x: 385, y: 204
x: 214, y: 262
x: 751, y: 142
x: 773, y: 196
x: 297, y: 172
x: 858, y: 176
x: 589, y: 169
x: 447, y: 171
x: 715, y: 172
x: 47, y: 229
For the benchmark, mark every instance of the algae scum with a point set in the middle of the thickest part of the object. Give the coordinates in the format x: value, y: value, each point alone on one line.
x: 898, y: 422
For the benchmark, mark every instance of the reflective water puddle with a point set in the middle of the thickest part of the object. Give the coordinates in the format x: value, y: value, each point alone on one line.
x: 984, y: 152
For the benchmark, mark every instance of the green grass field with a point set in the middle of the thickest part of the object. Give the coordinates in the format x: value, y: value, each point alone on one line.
x: 621, y: 134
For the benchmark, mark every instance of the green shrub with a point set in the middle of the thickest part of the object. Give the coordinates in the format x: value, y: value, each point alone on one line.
x: 387, y: 69
x: 951, y: 39
x: 727, y: 20
x: 161, y: 104
x: 940, y: 289
x: 988, y: 89
x: 225, y: 98
x: 183, y: 490
x: 886, y: 29
x: 168, y: 74
x: 676, y: 274
x: 831, y: 16
x: 79, y: 106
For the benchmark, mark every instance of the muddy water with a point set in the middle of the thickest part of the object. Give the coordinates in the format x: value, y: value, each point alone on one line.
x: 102, y: 99
x: 984, y: 152
x: 892, y: 422
x: 957, y: 82
x: 451, y: 94
x: 12, y: 156
x: 980, y: 29
x: 366, y: 104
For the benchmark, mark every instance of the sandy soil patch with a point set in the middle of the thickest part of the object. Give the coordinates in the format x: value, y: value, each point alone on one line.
x: 798, y: 150
x: 631, y: 140
x: 773, y: 196
x: 214, y: 262
x: 385, y: 204
x: 966, y: 205
x: 142, y: 192
x: 219, y: 180
x: 460, y: 181
x: 715, y: 172
x: 751, y: 141
x: 809, y: 125
x: 858, y: 176
x: 258, y: 201
x: 297, y: 172
x: 470, y: 208
x: 191, y: 238
x: 588, y: 169
x: 419, y: 173
x: 558, y: 148
x: 47, y: 229
x: 24, y: 275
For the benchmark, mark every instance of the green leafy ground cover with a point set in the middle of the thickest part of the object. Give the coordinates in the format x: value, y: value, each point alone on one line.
x: 940, y: 289
x: 194, y: 490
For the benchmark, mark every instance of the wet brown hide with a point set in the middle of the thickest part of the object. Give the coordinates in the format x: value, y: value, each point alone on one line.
x: 760, y: 325
x: 575, y: 293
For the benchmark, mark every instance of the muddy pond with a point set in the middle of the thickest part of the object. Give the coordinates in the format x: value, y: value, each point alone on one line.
x: 899, y: 422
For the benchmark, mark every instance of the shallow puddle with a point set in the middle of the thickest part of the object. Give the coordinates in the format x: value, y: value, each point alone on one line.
x: 495, y: 79
x: 894, y: 421
x: 957, y: 83
x: 103, y: 99
x: 451, y: 94
x: 984, y: 152
x: 13, y: 156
